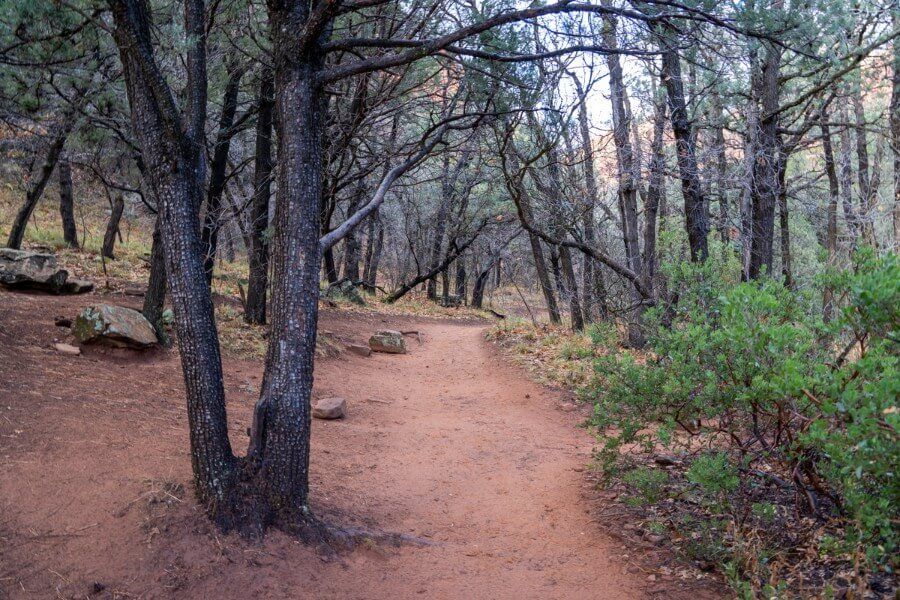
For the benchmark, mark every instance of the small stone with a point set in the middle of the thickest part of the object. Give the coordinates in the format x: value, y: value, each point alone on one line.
x: 114, y: 326
x: 330, y: 408
x: 77, y: 286
x: 67, y: 349
x: 665, y: 460
x: 359, y: 349
x: 655, y: 538
x: 651, y: 578
x: 62, y: 322
x: 389, y: 341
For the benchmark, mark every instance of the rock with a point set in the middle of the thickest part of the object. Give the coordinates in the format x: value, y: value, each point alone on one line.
x: 25, y: 269
x: 62, y: 322
x: 114, y: 326
x: 67, y: 349
x: 665, y: 460
x: 655, y: 538
x: 346, y: 290
x: 359, y: 349
x: 389, y: 341
x: 330, y: 408
x: 77, y: 286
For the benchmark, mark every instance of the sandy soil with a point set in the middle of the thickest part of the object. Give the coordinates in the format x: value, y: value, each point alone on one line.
x: 448, y: 444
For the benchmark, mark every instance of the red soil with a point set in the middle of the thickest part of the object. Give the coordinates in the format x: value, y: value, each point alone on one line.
x: 447, y: 443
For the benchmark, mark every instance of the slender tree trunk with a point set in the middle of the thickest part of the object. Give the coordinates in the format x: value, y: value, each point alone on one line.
x: 460, y: 281
x: 67, y: 203
x: 214, y: 208
x: 845, y: 177
x: 895, y: 124
x: 373, y: 259
x: 622, y: 122
x: 155, y: 298
x: 866, y: 190
x: 655, y: 192
x: 258, y: 249
x: 696, y: 211
x: 440, y: 225
x: 569, y: 287
x: 35, y: 191
x: 721, y: 165
x: 112, y: 228
x: 831, y: 229
x: 352, y: 245
x: 784, y: 224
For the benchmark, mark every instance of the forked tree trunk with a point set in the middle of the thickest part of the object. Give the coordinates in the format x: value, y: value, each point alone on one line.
x: 258, y: 250
x: 67, y: 203
x: 35, y: 191
x: 112, y: 227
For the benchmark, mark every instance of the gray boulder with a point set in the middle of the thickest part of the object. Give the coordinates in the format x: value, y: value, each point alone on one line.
x: 330, y: 408
x: 345, y: 290
x: 114, y: 326
x: 388, y: 341
x: 24, y: 269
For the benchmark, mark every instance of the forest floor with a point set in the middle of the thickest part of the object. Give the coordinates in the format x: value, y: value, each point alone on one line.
x: 449, y: 444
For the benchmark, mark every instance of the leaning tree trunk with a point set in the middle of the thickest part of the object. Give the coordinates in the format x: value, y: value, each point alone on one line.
x: 112, y: 228
x: 67, y: 202
x: 172, y: 158
x: 258, y: 250
x: 35, y: 191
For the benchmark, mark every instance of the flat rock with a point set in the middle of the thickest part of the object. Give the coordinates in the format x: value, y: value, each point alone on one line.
x: 388, y: 341
x: 67, y: 349
x: 26, y: 269
x: 359, y: 349
x: 114, y: 326
x: 330, y: 408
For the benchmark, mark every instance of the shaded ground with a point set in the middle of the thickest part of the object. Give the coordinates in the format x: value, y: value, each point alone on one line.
x: 447, y: 443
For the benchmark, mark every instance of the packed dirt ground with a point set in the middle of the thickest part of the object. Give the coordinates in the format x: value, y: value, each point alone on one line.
x: 482, y: 470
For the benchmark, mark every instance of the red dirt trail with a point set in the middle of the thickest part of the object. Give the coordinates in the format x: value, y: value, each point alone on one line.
x: 447, y: 443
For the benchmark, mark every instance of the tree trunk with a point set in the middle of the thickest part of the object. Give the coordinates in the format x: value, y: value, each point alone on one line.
x: 831, y: 230
x: 622, y: 121
x: 765, y: 188
x: 866, y: 191
x: 696, y: 211
x: 373, y: 258
x: 569, y: 287
x: 112, y: 228
x: 258, y: 250
x: 172, y: 157
x: 784, y: 224
x: 214, y: 208
x: 352, y: 245
x: 155, y: 298
x: 35, y: 191
x: 845, y: 177
x: 460, y: 281
x: 67, y: 203
x: 895, y: 123
x: 655, y: 191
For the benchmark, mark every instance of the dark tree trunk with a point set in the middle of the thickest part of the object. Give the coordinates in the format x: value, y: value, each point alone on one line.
x: 655, y: 192
x: 721, y: 166
x: 696, y: 211
x: 35, y: 191
x: 67, y: 203
x: 155, y: 298
x: 765, y: 188
x: 112, y: 228
x: 845, y: 179
x: 831, y: 228
x: 784, y: 225
x: 172, y: 156
x: 373, y: 253
x: 866, y: 191
x: 258, y: 249
x: 440, y: 226
x: 460, y: 284
x: 569, y: 287
x: 352, y: 245
x: 214, y: 208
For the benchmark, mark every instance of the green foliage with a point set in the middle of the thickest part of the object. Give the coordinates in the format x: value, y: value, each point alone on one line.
x: 751, y: 371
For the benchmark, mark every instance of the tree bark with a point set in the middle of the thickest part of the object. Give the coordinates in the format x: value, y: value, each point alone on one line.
x: 112, y: 227
x: 67, y: 203
x: 36, y: 190
x: 696, y: 211
x: 173, y: 163
x: 845, y: 177
x: 765, y: 188
x: 154, y: 299
x: 258, y: 250
x: 895, y: 123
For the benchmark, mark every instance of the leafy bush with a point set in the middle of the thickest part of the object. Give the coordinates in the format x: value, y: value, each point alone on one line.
x: 783, y: 402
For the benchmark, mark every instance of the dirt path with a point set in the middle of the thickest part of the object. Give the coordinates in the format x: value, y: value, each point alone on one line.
x: 447, y: 443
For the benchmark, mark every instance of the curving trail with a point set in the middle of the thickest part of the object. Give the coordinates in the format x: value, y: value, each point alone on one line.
x: 447, y: 443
